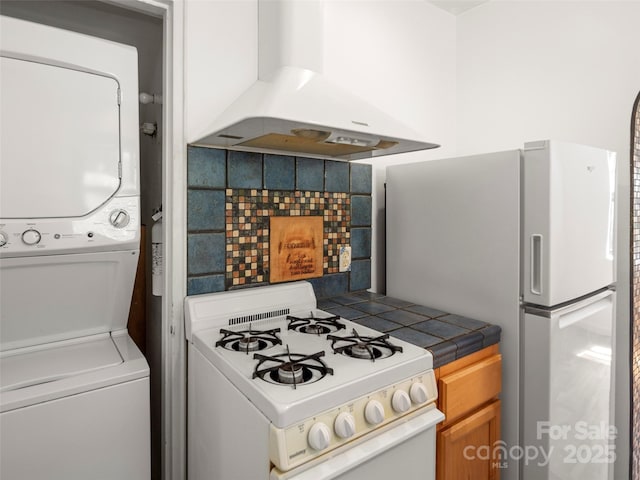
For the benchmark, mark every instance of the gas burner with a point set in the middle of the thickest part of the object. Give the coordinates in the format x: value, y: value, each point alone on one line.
x: 291, y: 368
x: 249, y: 340
x: 313, y: 325
x: 368, y: 348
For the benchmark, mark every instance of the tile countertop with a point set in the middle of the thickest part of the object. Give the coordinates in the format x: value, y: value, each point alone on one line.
x: 448, y: 337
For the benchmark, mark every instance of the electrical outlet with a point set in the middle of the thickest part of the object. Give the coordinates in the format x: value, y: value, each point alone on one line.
x: 345, y: 258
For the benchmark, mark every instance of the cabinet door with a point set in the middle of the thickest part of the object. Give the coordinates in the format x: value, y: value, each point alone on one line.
x: 467, y: 449
x: 463, y: 391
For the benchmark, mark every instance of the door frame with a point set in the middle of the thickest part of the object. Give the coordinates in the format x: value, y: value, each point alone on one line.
x: 174, y: 168
x: 634, y: 281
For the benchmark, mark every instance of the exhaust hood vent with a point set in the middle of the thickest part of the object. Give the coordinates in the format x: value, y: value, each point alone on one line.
x: 293, y: 109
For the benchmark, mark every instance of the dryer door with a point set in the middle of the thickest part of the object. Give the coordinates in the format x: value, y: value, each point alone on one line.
x: 60, y: 144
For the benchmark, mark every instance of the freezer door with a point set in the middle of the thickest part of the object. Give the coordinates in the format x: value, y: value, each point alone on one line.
x: 566, y: 391
x: 568, y: 244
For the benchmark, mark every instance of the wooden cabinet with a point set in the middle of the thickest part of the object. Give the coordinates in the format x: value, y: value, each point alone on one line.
x: 467, y: 394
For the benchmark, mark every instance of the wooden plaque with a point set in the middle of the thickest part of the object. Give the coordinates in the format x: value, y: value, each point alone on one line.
x: 295, y: 248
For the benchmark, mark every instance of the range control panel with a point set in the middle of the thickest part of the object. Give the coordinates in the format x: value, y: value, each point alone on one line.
x: 116, y: 224
x: 297, y: 444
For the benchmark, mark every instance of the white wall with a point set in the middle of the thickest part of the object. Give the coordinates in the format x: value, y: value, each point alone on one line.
x: 563, y: 70
x: 221, y: 58
x: 400, y: 56
x: 396, y: 54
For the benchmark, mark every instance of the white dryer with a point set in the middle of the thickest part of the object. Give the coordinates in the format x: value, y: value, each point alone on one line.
x: 74, y: 388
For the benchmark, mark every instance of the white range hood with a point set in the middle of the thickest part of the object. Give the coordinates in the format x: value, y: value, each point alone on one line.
x: 293, y: 109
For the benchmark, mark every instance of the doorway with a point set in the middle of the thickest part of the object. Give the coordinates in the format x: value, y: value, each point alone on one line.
x: 144, y: 25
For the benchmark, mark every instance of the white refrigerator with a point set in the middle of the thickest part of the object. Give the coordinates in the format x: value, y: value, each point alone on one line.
x: 523, y: 239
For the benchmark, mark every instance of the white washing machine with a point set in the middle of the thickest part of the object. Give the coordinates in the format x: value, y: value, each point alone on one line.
x: 74, y: 388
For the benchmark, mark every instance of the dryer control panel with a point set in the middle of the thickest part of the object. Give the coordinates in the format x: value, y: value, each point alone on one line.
x: 113, y: 226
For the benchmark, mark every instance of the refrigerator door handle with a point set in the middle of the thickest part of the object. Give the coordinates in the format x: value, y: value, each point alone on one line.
x: 536, y: 264
x: 569, y: 318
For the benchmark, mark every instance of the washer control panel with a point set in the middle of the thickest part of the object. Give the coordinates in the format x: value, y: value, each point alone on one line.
x: 115, y: 224
x: 321, y: 433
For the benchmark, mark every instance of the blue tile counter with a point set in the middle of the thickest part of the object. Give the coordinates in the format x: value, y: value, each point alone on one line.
x: 448, y: 337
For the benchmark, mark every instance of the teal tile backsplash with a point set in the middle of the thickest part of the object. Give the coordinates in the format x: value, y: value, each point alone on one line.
x: 206, y: 209
x: 336, y: 176
x: 206, y: 167
x: 231, y: 196
x: 244, y: 170
x: 309, y: 174
x: 279, y: 172
x: 360, y: 210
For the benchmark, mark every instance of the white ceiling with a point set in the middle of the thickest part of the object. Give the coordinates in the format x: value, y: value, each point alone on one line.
x: 456, y: 7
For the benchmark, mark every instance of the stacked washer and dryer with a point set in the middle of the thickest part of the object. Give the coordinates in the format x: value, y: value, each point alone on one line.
x: 74, y: 388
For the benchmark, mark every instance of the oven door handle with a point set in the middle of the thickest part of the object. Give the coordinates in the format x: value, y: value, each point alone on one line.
x: 360, y: 453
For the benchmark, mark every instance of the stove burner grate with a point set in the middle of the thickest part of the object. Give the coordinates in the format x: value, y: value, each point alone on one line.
x: 315, y: 326
x: 249, y: 340
x: 364, y: 347
x: 291, y: 368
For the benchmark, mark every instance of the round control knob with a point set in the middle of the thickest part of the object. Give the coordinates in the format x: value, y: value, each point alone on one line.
x: 3, y: 239
x: 374, y: 412
x: 119, y: 218
x: 319, y: 436
x: 418, y: 393
x: 400, y: 401
x: 31, y: 237
x: 344, y: 425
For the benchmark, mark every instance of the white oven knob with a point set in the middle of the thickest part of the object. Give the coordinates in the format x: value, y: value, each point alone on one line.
x: 344, y: 425
x: 3, y: 239
x: 400, y: 401
x: 374, y: 412
x: 319, y: 436
x: 31, y: 237
x: 418, y: 393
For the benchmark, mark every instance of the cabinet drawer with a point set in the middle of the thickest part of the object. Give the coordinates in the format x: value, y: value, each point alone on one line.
x: 459, y: 445
x: 470, y: 387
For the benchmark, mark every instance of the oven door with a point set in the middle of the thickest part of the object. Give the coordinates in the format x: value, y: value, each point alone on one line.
x: 406, y: 450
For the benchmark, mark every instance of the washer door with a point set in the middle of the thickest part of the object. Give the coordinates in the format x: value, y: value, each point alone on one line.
x: 50, y: 298
x: 60, y: 146
x: 47, y: 365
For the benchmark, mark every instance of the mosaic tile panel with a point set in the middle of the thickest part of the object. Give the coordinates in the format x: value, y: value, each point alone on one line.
x: 635, y: 292
x: 231, y: 196
x: 247, y: 215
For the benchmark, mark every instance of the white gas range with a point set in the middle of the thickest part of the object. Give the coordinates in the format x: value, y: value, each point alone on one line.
x: 281, y: 390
